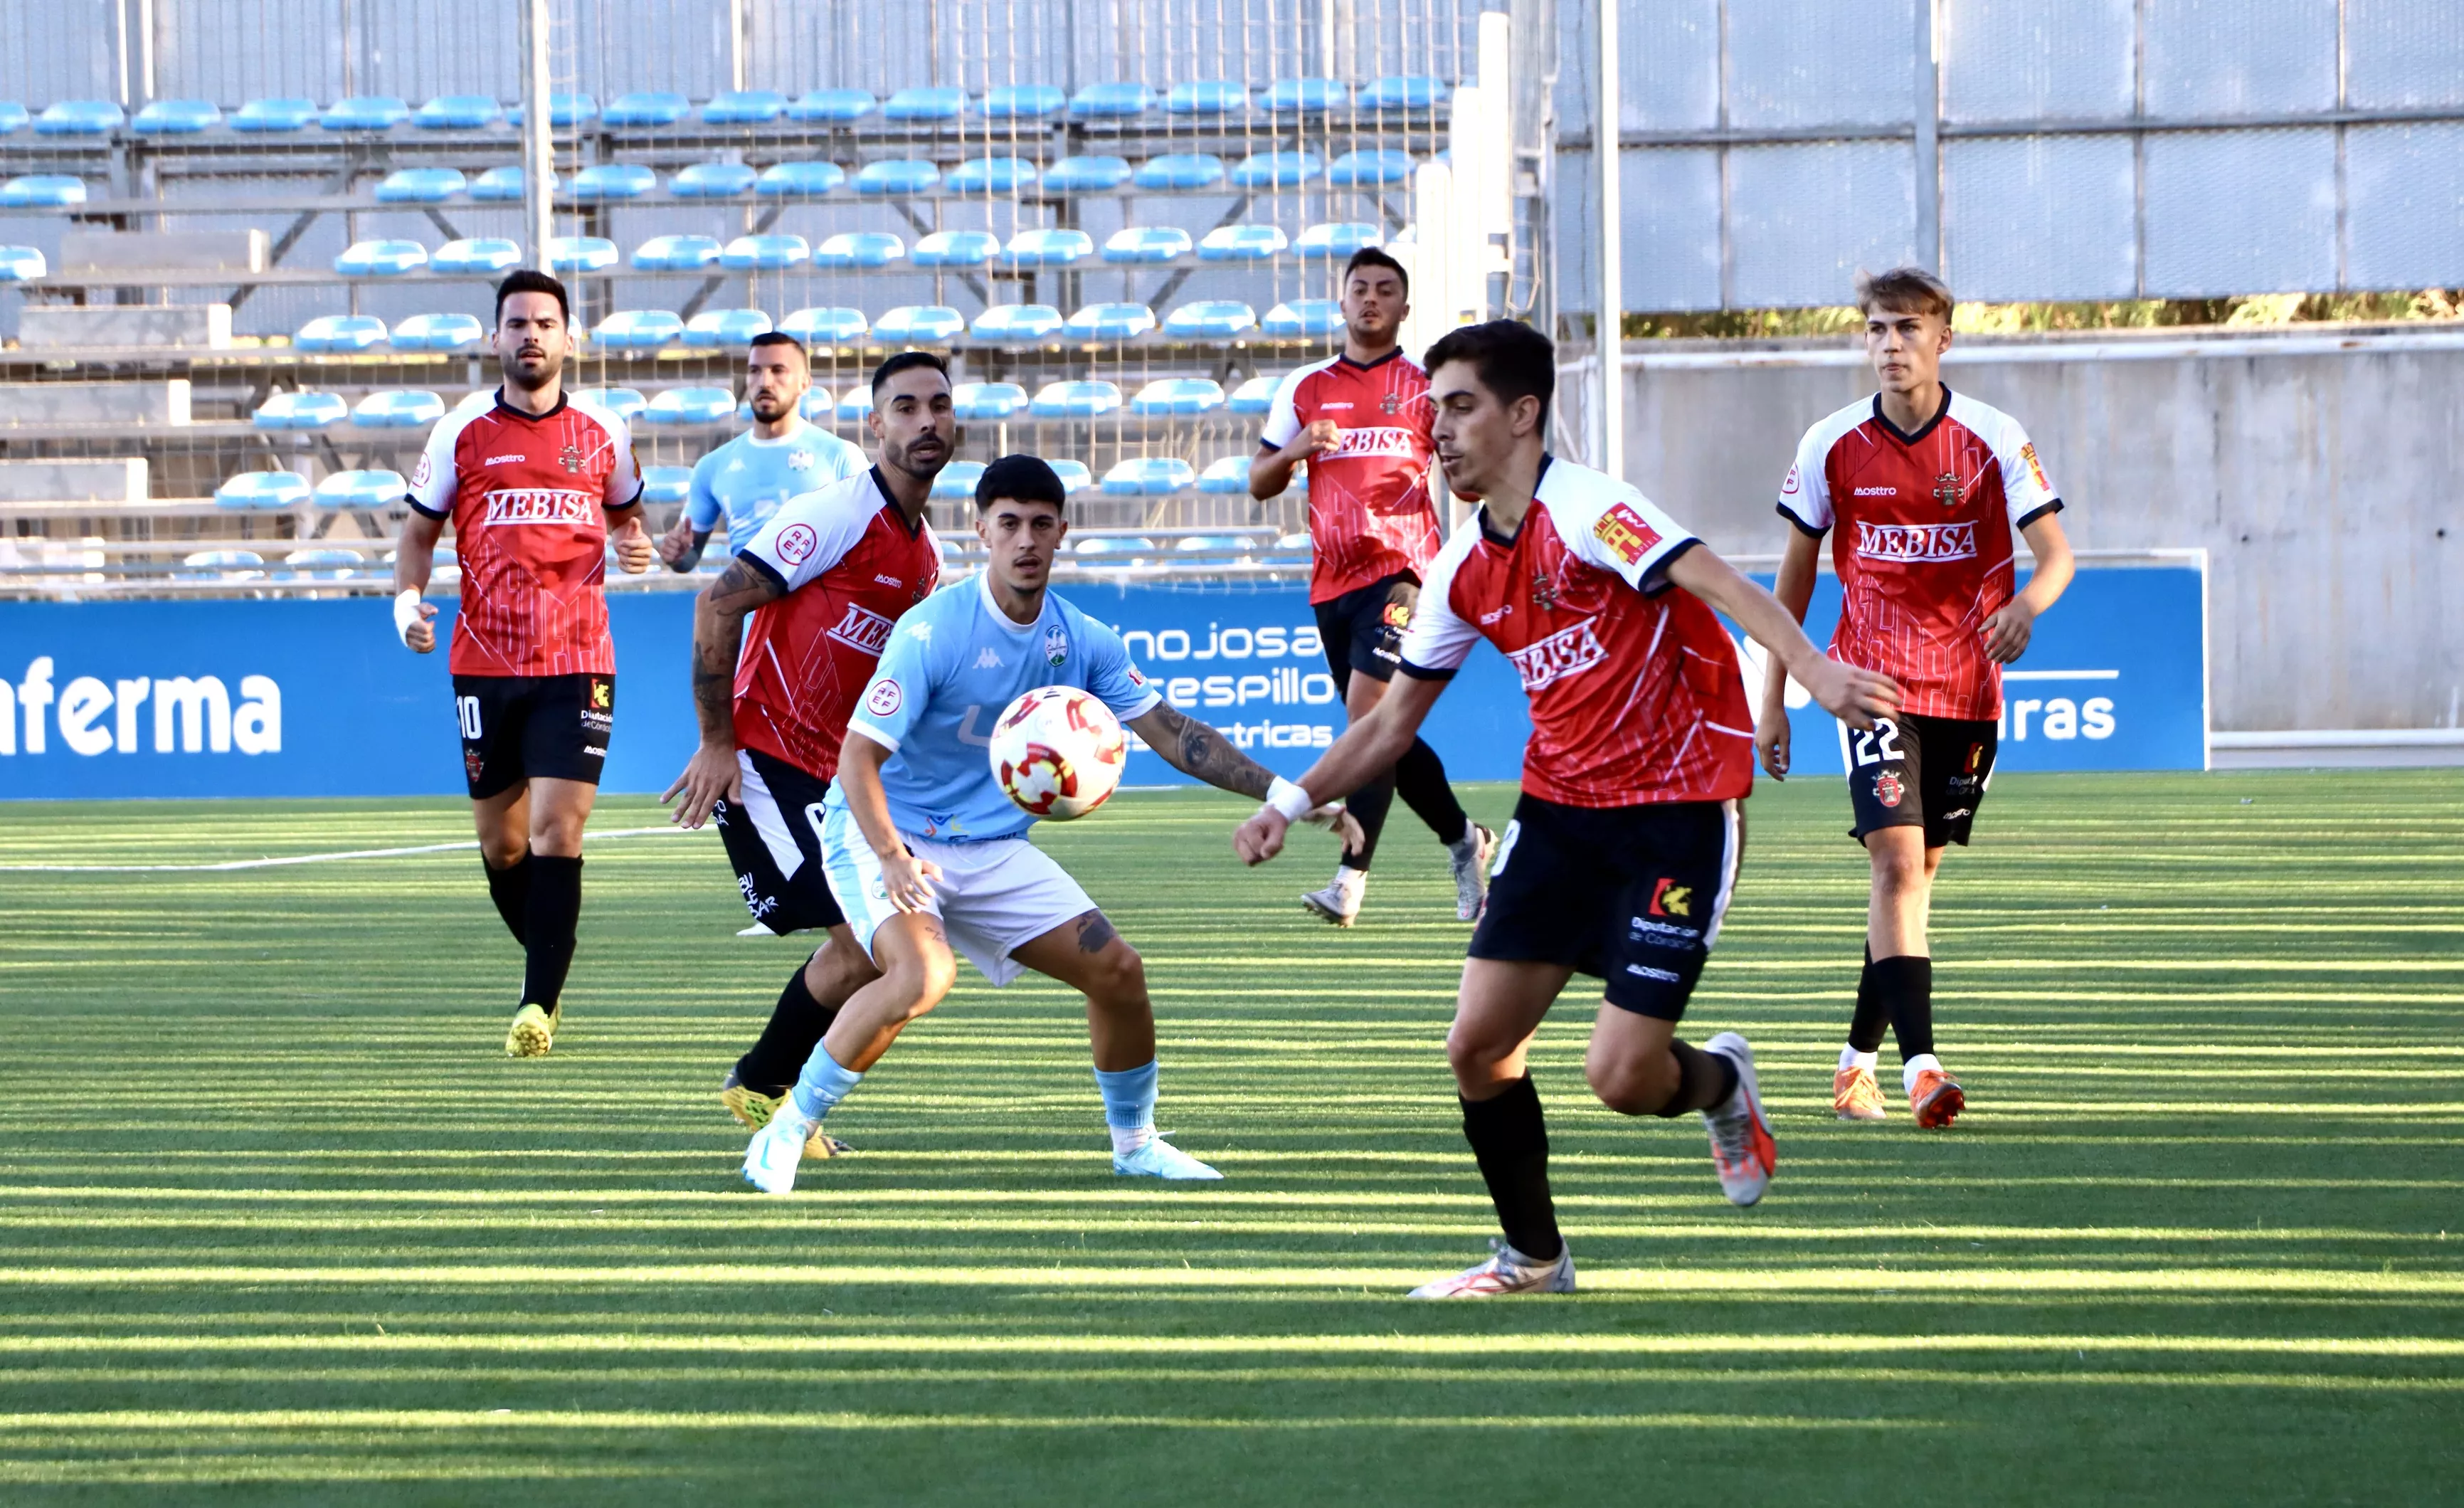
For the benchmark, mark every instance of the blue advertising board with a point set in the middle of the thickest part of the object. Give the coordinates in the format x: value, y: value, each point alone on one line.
x: 290, y: 697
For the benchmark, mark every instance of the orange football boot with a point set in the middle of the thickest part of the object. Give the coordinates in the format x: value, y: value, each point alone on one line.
x: 1854, y: 1096
x: 1937, y: 1100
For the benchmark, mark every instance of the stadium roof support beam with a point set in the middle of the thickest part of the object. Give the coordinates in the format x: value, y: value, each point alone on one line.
x: 538, y: 159
x: 1609, y: 323
x: 1929, y: 127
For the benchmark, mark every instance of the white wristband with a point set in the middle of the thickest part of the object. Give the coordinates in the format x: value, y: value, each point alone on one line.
x: 1288, y: 798
x: 405, y: 612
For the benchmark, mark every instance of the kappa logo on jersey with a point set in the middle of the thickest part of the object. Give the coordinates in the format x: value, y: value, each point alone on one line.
x: 1376, y: 439
x: 536, y: 506
x: 885, y: 699
x: 1622, y: 530
x: 864, y: 630
x: 987, y: 659
x: 1056, y: 645
x: 1568, y: 651
x: 1916, y: 542
x: 1669, y: 899
x: 796, y: 544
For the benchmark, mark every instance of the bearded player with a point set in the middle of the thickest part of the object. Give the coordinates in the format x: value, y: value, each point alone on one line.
x: 744, y: 480
x: 538, y: 488
x: 1924, y: 487
x: 1623, y: 852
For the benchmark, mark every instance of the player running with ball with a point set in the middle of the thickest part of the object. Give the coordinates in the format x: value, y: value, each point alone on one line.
x: 1623, y: 852
x: 928, y: 856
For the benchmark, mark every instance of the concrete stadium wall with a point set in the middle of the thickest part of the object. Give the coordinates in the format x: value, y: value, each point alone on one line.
x: 2319, y: 471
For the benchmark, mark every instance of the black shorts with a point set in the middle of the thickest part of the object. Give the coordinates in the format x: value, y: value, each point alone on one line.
x: 1363, y: 629
x: 773, y: 844
x: 1919, y: 771
x: 518, y: 728
x: 1632, y: 896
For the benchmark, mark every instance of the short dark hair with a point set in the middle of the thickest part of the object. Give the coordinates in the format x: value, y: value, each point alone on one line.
x: 1025, y: 478
x: 909, y: 361
x: 530, y: 279
x: 1377, y: 256
x: 1513, y: 359
x: 1904, y: 290
x: 781, y: 338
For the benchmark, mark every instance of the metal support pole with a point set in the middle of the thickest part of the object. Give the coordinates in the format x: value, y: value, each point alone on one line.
x: 539, y: 155
x: 735, y: 41
x: 1610, y: 322
x: 1928, y: 120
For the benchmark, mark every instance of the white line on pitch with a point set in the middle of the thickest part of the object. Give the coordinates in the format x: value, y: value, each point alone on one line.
x: 293, y: 859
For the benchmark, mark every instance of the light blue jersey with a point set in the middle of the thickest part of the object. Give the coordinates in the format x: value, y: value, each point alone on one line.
x: 954, y: 662
x: 747, y: 478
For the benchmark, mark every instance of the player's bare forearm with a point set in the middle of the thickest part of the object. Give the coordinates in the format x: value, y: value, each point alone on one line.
x: 415, y: 558
x: 860, y: 762
x: 1372, y: 745
x: 1794, y: 587
x: 1270, y: 472
x: 718, y: 640
x: 1855, y: 696
x: 2054, y: 564
x: 1194, y: 748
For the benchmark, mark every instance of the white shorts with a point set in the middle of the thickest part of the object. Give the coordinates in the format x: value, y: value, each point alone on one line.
x: 991, y: 897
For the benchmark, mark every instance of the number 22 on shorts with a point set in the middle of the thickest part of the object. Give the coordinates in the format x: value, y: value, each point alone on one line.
x: 1878, y: 745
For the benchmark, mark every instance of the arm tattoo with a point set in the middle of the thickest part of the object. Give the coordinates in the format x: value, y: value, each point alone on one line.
x: 1194, y: 748
x: 740, y: 589
x: 1094, y: 933
x: 718, y: 638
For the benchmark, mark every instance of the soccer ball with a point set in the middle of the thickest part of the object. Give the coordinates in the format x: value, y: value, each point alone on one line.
x: 1058, y: 752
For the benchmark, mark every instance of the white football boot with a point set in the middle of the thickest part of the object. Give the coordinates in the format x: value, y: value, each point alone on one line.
x: 770, y: 1160
x: 1339, y: 905
x: 1469, y: 858
x: 1506, y: 1271
x: 1161, y: 1158
x: 1742, y: 1149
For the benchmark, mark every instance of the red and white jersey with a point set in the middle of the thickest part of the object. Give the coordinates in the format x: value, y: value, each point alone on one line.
x: 1635, y: 693
x: 528, y: 495
x: 1369, y: 509
x: 1924, y: 542
x: 847, y: 566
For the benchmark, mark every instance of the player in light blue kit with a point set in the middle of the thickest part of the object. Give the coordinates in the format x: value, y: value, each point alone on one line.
x: 926, y: 856
x: 781, y: 456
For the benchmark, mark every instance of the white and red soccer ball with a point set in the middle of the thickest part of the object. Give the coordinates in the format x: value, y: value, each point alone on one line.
x: 1058, y: 752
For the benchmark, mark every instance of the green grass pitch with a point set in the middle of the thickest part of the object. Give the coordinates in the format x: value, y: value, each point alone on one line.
x: 279, y: 1223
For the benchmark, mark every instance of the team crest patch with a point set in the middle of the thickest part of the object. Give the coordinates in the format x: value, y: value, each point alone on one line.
x: 1668, y: 899
x: 885, y: 699
x: 799, y: 460
x: 1787, y: 488
x: 1397, y: 616
x: 571, y: 456
x: 1056, y: 645
x: 1946, y: 490
x: 796, y: 543
x: 603, y: 693
x: 1622, y: 530
x: 473, y: 764
x: 2035, y: 468
x: 1888, y: 789
x: 419, y: 473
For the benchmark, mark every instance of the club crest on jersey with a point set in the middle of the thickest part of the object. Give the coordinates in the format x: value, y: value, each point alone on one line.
x: 1392, y: 403
x: 1669, y: 899
x: 1544, y: 591
x: 859, y: 629
x: 1622, y: 530
x: 799, y: 460
x: 570, y: 456
x: 1946, y: 490
x: 1056, y: 645
x: 1916, y: 542
x: 2035, y: 468
x: 1888, y: 789
x: 1568, y: 651
x: 536, y: 506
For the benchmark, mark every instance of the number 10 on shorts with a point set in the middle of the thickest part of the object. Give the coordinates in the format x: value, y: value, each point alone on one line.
x: 468, y: 709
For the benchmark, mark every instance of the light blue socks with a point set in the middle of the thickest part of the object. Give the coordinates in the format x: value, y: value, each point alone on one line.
x: 824, y: 1084
x: 1129, y: 1105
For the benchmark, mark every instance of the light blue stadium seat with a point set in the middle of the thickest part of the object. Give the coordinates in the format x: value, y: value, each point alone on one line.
x: 958, y: 480
x: 12, y: 117
x: 614, y: 181
x: 942, y: 102
x: 502, y: 183
x: 1085, y: 174
x: 405, y: 409
x: 42, y: 192
x: 744, y: 107
x: 457, y: 113
x: 80, y: 118
x: 860, y: 249
x: 438, y: 332
x: 323, y: 563
x: 341, y: 332
x: 1337, y: 240
x: 624, y: 402
x: 1074, y: 476
x: 1403, y: 91
x: 580, y: 253
x: 1083, y: 399
x: 1149, y: 476
x: 897, y: 176
x: 1110, y: 322
x: 671, y: 253
x: 646, y: 107
x: 421, y: 186
x: 922, y: 323
x: 263, y: 490
x: 1023, y: 102
x: 800, y: 180
x: 1307, y: 96
x: 176, y: 118
x: 1048, y: 248
x: 957, y: 248
x: 1370, y: 166
x: 1147, y: 243
x: 483, y: 253
x: 1209, y: 319
x: 21, y: 264
x: 1231, y: 474
x: 991, y: 175
x: 1206, y: 96
x: 1211, y: 543
x: 1112, y: 101
x: 987, y: 400
x: 1255, y: 396
x: 381, y: 258
x: 639, y: 329
x: 1242, y: 243
x: 689, y: 406
x: 714, y: 328
x: 274, y: 115
x: 1303, y: 318
x: 1276, y: 169
x: 832, y: 104
x: 815, y: 405
x: 223, y: 565
x: 1178, y: 397
x: 829, y: 325
x: 1181, y: 171
x: 667, y: 483
x: 1112, y: 552
x: 562, y: 110
x: 364, y: 113
x: 853, y: 405
x: 301, y: 411
x: 1017, y: 323
x: 713, y: 181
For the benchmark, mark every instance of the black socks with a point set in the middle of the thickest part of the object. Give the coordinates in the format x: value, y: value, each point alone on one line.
x: 1903, y: 988
x: 1510, y: 1142
x: 1421, y: 780
x: 797, y: 1024
x: 1872, y: 1017
x: 1369, y: 806
x: 1705, y: 1081
x: 555, y: 910
x: 510, y: 888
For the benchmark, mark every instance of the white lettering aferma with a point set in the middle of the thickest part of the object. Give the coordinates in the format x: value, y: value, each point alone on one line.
x: 193, y: 714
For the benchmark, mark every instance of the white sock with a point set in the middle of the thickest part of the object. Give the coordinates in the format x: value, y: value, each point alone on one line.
x: 1129, y: 1139
x: 1849, y: 1057
x: 1350, y: 882
x: 1470, y: 836
x: 1915, y: 1065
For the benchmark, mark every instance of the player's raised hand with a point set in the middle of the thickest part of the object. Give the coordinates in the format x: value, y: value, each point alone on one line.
x: 1322, y: 435
x: 1770, y: 742
x: 711, y: 774
x: 1855, y: 697
x: 908, y: 880
x: 677, y: 543
x: 1262, y: 838
x: 633, y: 550
x: 414, y: 620
x: 2008, y: 631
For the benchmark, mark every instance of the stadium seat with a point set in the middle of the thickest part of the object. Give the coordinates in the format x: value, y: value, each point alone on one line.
x: 614, y: 181
x: 499, y: 183
x: 716, y: 328
x: 364, y: 113
x: 263, y: 489
x: 1110, y: 322
x: 689, y: 406
x: 815, y: 405
x: 671, y: 253
x: 1147, y: 243
x: 79, y: 118
x: 800, y: 180
x: 21, y: 264
x: 646, y: 107
x: 340, y: 333
x: 667, y: 483
x: 1084, y: 399
x: 357, y: 489
x: 421, y: 186
x: 12, y: 117
x: 992, y: 175
x: 1149, y: 476
x: 1085, y: 174
x: 405, y: 409
x: 42, y: 192
x: 1231, y: 474
x: 860, y: 249
x: 832, y: 104
x: 638, y: 329
x: 958, y: 479
x: 1370, y: 167
x: 1023, y: 102
x: 624, y: 402
x: 580, y: 253
x: 563, y: 110
x: 1181, y: 171
x: 1211, y: 543
x: 301, y: 411
x: 924, y: 323
x: 1242, y: 243
x: 987, y: 400
x: 176, y: 118
x: 457, y: 113
x: 381, y: 258
x: 957, y: 248
x: 225, y: 565
x: 1108, y: 546
x: 744, y: 107
x: 1336, y: 239
x: 713, y: 181
x: 1307, y: 96
x: 1255, y: 396
x: 1403, y: 93
x: 1074, y: 476
x: 853, y: 405
x: 485, y: 254
x: 1112, y: 101
x: 1178, y: 397
x: 923, y: 102
x: 274, y: 114
x: 898, y: 175
x: 321, y: 564
x: 1209, y: 319
x: 1047, y: 247
x: 1206, y: 96
x: 1017, y: 323
x: 1304, y: 317
x: 438, y: 332
x: 1276, y: 169
x: 831, y: 325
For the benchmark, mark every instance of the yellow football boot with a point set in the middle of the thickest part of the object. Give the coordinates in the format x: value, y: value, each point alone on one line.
x: 533, y: 1033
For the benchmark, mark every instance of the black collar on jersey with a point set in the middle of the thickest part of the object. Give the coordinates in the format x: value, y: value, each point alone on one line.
x: 1506, y: 542
x: 524, y: 415
x: 1922, y: 430
x: 1369, y: 366
x: 881, y: 485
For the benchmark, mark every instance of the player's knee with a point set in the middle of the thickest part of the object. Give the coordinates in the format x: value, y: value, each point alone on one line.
x: 1898, y: 869
x: 1119, y: 974
x: 504, y: 850
x: 930, y: 980
x: 1636, y: 1086
x: 1474, y: 1059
